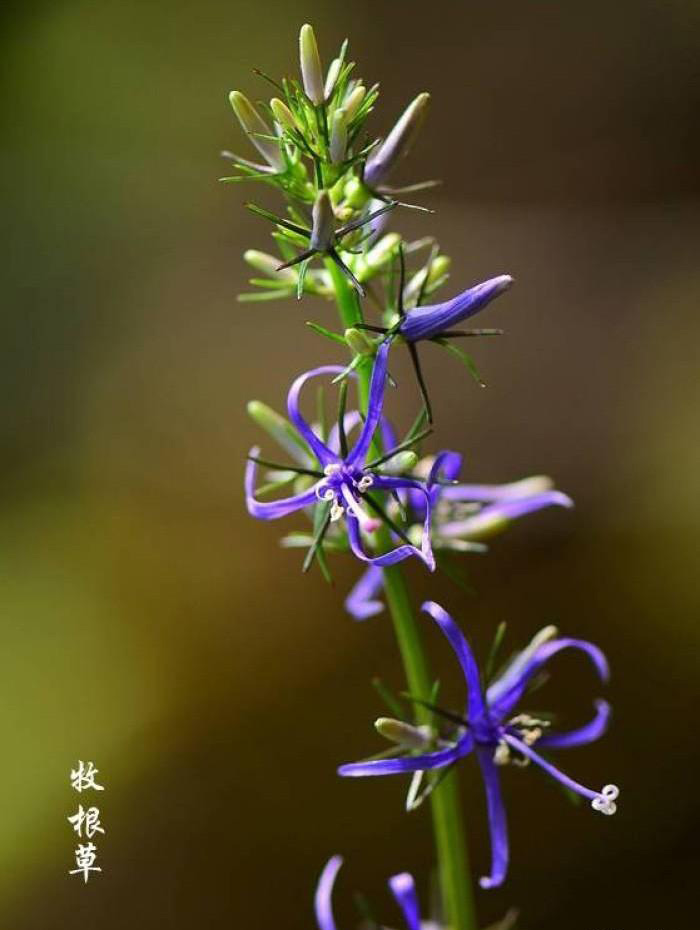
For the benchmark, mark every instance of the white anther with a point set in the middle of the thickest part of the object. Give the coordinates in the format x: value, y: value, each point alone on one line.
x: 336, y: 511
x: 324, y: 493
x: 605, y: 801
x: 502, y: 754
x: 332, y: 469
x: 365, y: 482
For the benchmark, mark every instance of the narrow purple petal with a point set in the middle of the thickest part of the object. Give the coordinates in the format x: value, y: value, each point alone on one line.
x: 476, y: 709
x: 324, y: 455
x: 588, y: 733
x: 403, y: 889
x: 550, y: 769
x: 361, y: 602
x: 386, y: 558
x: 429, y: 321
x: 374, y: 407
x: 422, y: 763
x: 493, y: 514
x: 323, y: 904
x: 447, y: 465
x: 388, y: 434
x: 497, y: 819
x: 505, y: 693
x: 272, y: 510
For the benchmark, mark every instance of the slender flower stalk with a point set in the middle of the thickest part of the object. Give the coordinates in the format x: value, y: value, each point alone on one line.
x: 360, y: 488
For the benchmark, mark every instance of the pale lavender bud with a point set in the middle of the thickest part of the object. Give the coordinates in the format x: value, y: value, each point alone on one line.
x: 323, y: 223
x: 398, y: 142
x: 310, y: 62
x: 339, y: 136
x: 253, y: 123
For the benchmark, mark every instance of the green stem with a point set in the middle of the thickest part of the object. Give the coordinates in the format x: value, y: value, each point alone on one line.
x: 450, y: 841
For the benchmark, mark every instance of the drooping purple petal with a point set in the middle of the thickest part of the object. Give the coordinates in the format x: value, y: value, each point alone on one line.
x: 383, y: 483
x: 422, y: 763
x: 403, y: 889
x: 476, y: 708
x: 493, y: 514
x: 361, y: 602
x: 505, y: 693
x: 588, y: 733
x: 447, y: 465
x: 550, y: 769
x: 273, y: 510
x: 431, y: 320
x: 324, y: 455
x: 388, y: 434
x: 498, y: 826
x: 323, y: 903
x: 402, y: 552
x: 374, y: 407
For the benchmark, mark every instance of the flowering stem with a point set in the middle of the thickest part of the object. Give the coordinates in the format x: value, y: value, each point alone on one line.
x: 450, y: 841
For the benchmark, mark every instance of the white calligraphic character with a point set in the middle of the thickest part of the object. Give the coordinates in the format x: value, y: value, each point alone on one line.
x: 83, y: 777
x: 85, y: 860
x: 89, y: 820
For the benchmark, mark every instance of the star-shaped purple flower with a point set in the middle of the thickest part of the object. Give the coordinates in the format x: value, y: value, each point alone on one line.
x: 498, y: 735
x: 346, y: 479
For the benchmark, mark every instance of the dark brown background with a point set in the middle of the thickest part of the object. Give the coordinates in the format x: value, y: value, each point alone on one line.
x: 149, y: 625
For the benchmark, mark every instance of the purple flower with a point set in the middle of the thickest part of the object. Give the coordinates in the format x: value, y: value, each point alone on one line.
x: 434, y: 320
x: 462, y: 514
x: 499, y: 735
x: 396, y: 145
x: 345, y: 478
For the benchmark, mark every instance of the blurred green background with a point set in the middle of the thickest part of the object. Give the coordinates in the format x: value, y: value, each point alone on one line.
x: 150, y: 626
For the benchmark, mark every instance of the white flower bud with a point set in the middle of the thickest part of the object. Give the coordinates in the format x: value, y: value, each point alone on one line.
x: 310, y: 62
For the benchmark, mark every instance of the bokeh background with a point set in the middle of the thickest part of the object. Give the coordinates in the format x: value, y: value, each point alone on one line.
x: 149, y: 625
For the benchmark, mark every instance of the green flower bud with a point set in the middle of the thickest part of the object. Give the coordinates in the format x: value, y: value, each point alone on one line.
x: 252, y: 122
x: 352, y: 104
x: 439, y: 268
x: 310, y: 62
x: 278, y: 428
x: 282, y: 114
x: 359, y: 342
x: 339, y: 136
x: 400, y: 463
x: 356, y: 193
x: 382, y: 252
x: 403, y: 733
x: 268, y: 265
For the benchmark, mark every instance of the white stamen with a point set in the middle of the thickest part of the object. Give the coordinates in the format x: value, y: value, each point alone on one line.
x: 336, y: 511
x: 324, y: 493
x: 332, y: 469
x: 604, y: 802
x: 365, y: 482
